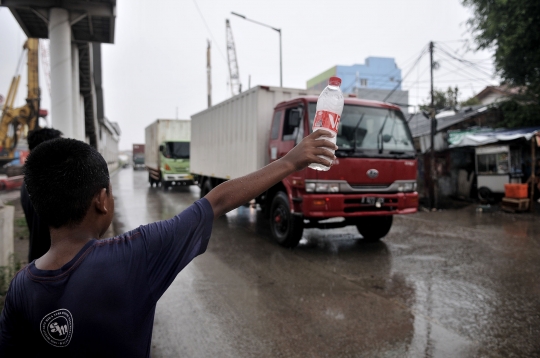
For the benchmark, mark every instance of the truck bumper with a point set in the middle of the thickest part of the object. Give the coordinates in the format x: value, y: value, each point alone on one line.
x: 320, y: 206
x: 178, y: 179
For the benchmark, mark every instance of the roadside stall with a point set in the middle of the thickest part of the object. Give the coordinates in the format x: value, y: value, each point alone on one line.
x: 505, y: 161
x: 496, y: 166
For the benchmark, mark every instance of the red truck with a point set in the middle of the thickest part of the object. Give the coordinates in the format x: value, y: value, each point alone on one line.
x: 138, y: 156
x: 372, y: 179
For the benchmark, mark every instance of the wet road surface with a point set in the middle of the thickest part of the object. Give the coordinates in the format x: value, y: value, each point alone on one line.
x: 445, y: 284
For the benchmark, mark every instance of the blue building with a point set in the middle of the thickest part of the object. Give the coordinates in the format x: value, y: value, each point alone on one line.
x: 377, y: 73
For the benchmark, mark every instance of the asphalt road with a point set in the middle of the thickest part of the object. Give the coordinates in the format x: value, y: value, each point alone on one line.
x: 445, y: 284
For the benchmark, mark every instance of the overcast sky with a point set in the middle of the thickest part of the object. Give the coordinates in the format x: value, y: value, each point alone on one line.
x: 157, y: 65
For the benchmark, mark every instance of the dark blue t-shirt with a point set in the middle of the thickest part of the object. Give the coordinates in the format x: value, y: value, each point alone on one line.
x: 102, y: 302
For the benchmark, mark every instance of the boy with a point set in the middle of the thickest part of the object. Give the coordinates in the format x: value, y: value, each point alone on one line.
x: 96, y: 298
x: 39, y: 236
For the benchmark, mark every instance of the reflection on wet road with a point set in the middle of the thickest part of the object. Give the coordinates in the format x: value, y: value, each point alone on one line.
x: 449, y: 284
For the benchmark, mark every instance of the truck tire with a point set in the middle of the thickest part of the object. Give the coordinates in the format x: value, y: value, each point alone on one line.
x: 151, y: 180
x: 164, y: 184
x: 205, y: 188
x: 374, y: 228
x: 286, y: 228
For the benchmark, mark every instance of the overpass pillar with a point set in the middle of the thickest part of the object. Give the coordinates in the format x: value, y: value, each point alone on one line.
x: 61, y: 71
x: 78, y: 101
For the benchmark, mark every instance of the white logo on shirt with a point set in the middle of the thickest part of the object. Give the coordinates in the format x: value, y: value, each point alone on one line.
x: 57, y: 327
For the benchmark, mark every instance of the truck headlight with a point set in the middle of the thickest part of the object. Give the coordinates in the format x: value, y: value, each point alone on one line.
x: 322, y: 187
x: 333, y: 188
x: 407, y: 187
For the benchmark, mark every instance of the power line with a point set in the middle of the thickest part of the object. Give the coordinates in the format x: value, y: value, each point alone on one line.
x: 417, y: 81
x: 449, y: 59
x: 465, y: 62
x: 210, y: 32
x: 470, y: 63
x: 451, y: 81
x: 452, y: 41
x: 384, y: 77
x: 466, y: 71
x: 422, y: 52
x: 403, y: 78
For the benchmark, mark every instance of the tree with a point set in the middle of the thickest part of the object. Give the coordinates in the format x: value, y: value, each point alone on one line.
x: 512, y: 29
x: 473, y: 101
x: 442, y: 99
x: 515, y: 114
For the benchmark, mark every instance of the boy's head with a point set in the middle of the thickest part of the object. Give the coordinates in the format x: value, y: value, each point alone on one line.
x: 65, y: 178
x: 40, y: 135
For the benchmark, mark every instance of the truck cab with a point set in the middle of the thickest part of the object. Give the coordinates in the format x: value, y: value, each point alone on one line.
x: 372, y: 179
x: 174, y: 163
x: 167, y: 152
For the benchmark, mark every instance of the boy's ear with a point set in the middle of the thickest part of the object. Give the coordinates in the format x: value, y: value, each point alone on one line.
x: 101, y: 201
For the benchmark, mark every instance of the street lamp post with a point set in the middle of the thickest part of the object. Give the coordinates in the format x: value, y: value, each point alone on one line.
x: 275, y: 29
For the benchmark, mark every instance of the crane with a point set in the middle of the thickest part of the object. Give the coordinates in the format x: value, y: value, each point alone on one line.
x: 13, y: 120
x: 234, y: 74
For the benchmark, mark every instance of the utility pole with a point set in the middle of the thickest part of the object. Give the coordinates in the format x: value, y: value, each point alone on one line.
x: 209, y: 74
x: 433, y: 172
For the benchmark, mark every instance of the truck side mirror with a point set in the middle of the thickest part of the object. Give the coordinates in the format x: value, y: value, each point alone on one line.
x: 161, y: 147
x: 294, y: 118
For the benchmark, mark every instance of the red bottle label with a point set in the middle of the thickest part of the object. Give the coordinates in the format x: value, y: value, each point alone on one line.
x: 327, y: 120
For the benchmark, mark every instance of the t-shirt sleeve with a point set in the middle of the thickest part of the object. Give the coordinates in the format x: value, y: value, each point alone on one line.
x: 8, y: 328
x: 172, y: 244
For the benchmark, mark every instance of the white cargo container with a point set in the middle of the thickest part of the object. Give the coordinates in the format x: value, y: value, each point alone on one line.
x: 230, y: 139
x: 233, y: 139
x: 157, y: 137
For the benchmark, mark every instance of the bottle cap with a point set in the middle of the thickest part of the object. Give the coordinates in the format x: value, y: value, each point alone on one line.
x: 335, y: 81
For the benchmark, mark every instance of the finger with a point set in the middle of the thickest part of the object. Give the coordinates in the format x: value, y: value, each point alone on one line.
x: 322, y: 133
x: 325, y: 143
x: 325, y: 153
x: 323, y: 160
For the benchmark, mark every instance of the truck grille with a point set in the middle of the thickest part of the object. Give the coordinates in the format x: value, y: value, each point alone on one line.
x: 356, y: 205
x: 371, y: 186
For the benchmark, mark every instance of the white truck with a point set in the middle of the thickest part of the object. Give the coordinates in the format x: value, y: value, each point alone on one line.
x: 373, y: 178
x: 167, y: 152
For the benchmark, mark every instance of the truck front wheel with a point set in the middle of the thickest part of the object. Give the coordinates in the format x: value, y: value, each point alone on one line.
x: 286, y: 228
x: 206, y: 188
x: 374, y: 228
x: 151, y: 180
x: 165, y: 184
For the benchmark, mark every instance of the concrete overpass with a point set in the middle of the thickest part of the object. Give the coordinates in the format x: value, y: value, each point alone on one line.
x: 76, y: 29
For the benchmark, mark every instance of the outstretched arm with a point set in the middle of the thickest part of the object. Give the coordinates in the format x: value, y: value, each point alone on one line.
x: 233, y: 193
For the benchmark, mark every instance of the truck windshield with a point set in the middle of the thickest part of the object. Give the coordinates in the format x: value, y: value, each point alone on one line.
x: 371, y: 130
x: 176, y: 150
x: 138, y: 157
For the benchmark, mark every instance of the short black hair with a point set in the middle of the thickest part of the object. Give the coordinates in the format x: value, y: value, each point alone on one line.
x: 40, y: 135
x: 62, y: 177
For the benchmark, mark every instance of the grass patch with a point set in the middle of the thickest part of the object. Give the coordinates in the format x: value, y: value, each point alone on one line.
x: 20, y: 222
x: 6, y: 274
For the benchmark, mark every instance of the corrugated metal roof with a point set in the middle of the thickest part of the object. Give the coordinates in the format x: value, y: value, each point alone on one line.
x: 420, y: 125
x: 483, y: 137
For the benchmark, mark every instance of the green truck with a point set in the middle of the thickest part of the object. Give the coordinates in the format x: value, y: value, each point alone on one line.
x: 167, y: 152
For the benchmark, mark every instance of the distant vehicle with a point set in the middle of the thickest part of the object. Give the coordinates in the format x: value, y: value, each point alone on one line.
x: 372, y: 179
x: 123, y: 160
x: 138, y: 156
x: 167, y: 152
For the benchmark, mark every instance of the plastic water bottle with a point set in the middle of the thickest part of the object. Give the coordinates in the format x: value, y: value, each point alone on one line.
x: 328, y: 114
